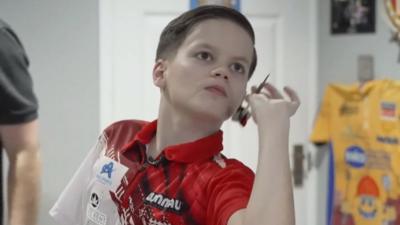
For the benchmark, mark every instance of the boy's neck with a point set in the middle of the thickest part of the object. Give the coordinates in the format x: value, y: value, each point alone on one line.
x: 173, y: 129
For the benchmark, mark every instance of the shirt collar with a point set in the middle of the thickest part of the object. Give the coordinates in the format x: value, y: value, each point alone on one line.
x: 198, y: 150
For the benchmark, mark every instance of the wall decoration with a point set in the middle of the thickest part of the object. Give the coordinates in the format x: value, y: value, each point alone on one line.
x: 229, y: 3
x: 393, y: 12
x: 352, y: 16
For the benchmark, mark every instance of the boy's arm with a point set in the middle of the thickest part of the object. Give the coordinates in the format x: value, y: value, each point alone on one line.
x: 22, y: 147
x: 271, y: 200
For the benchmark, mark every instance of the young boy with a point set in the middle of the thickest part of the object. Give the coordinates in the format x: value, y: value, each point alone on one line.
x: 171, y: 170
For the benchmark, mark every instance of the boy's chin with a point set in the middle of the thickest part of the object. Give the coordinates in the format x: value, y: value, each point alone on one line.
x: 213, y: 116
x: 208, y: 113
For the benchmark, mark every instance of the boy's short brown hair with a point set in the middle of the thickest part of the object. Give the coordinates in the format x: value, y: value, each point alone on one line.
x: 179, y: 28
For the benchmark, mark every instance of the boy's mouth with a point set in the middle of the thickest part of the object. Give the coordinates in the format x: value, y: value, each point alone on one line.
x: 219, y: 90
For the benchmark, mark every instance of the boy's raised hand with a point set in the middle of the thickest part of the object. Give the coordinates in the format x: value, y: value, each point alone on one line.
x: 271, y: 111
x: 270, y: 106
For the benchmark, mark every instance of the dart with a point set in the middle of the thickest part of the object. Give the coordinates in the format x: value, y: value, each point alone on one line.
x: 242, y: 115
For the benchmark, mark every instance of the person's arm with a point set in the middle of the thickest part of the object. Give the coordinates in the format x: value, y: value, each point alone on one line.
x: 22, y: 147
x: 271, y: 201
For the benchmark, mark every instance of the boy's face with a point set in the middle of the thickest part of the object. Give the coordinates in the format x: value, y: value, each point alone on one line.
x: 207, y: 77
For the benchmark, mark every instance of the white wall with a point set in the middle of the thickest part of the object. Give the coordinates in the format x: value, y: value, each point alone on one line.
x: 338, y: 53
x: 61, y: 39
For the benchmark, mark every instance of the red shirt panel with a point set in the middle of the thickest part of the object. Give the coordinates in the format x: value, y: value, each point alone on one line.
x: 191, y: 184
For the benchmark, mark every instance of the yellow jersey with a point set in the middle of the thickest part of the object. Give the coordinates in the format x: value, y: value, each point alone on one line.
x: 362, y: 126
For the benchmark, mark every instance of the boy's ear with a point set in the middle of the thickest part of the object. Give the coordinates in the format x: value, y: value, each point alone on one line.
x: 159, y: 72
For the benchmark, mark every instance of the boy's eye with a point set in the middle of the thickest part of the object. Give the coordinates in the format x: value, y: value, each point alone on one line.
x: 237, y: 68
x: 204, y: 56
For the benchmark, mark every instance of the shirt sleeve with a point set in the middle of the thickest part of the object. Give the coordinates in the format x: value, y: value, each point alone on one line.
x: 321, y: 131
x: 228, y: 192
x: 68, y: 209
x: 19, y: 103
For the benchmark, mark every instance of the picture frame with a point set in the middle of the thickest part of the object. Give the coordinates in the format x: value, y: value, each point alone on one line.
x: 235, y: 4
x: 353, y: 16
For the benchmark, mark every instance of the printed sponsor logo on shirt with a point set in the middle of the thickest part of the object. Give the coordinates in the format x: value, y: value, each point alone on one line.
x: 96, y: 216
x: 378, y: 160
x: 355, y: 157
x: 108, y: 169
x: 163, y: 202
x: 109, y: 172
x: 106, y: 172
x: 388, y: 110
x: 349, y: 132
x: 94, y: 200
x: 388, y: 140
x: 347, y: 109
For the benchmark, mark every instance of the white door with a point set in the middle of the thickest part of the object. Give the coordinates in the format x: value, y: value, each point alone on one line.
x: 286, y: 46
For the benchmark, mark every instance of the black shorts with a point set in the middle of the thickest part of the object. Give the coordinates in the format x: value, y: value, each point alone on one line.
x: 18, y: 103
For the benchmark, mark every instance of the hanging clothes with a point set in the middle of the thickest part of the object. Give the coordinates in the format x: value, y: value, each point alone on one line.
x: 361, y: 124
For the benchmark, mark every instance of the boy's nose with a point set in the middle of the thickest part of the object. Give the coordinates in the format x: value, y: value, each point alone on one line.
x: 220, y: 75
x: 221, y: 72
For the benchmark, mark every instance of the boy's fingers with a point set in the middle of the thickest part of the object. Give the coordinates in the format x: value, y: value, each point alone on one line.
x: 273, y: 91
x: 266, y: 93
x: 292, y: 94
x: 294, y: 99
